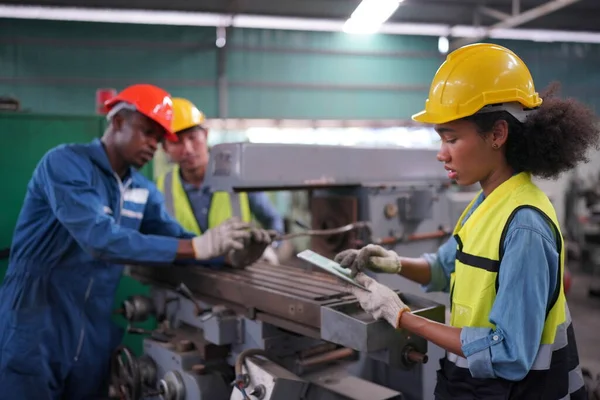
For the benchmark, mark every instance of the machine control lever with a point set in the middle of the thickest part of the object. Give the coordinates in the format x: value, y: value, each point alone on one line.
x: 136, y: 308
x: 187, y: 293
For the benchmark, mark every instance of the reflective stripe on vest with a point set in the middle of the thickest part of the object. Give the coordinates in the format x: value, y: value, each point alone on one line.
x: 473, y: 287
x: 178, y: 205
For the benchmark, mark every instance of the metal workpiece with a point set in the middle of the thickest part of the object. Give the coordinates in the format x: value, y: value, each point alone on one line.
x: 346, y: 324
x: 290, y: 296
x: 258, y: 166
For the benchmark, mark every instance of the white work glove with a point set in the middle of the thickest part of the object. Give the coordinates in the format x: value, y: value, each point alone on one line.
x: 270, y: 256
x: 253, y: 249
x: 380, y: 301
x: 370, y: 257
x: 222, y: 239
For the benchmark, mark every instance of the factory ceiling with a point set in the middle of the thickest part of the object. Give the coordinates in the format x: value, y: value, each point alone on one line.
x: 573, y: 15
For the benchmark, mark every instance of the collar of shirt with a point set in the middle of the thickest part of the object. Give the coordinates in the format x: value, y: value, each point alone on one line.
x: 190, y: 187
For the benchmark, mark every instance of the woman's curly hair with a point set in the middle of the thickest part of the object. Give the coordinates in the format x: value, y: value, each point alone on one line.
x: 553, y: 139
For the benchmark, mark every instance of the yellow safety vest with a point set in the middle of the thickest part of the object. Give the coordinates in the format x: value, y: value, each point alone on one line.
x: 474, y: 283
x: 178, y: 204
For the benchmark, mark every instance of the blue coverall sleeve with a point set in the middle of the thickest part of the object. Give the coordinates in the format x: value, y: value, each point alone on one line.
x: 157, y: 220
x: 265, y: 213
x: 527, y: 278
x: 67, y: 181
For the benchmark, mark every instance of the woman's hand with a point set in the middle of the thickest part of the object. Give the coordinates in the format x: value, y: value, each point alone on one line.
x: 370, y: 257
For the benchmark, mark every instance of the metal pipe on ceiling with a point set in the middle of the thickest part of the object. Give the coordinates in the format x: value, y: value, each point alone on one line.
x: 514, y: 20
x: 154, y: 17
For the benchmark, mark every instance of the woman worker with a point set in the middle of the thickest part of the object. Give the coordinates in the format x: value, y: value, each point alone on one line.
x: 510, y: 334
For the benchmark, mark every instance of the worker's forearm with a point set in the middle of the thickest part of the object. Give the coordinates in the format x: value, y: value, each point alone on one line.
x: 447, y: 337
x: 185, y: 250
x: 416, y: 269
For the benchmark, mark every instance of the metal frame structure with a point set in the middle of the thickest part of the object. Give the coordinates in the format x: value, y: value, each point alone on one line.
x: 447, y: 18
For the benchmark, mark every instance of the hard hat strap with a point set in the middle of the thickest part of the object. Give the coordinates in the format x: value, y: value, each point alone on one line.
x: 514, y: 108
x: 118, y: 107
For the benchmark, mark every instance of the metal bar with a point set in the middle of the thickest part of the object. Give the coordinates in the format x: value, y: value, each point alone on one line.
x: 222, y: 93
x: 121, y: 43
x: 329, y: 86
x: 517, y: 20
x: 104, y: 81
x: 516, y: 7
x: 490, y: 12
x: 306, y: 290
x: 325, y: 358
x: 324, y: 282
x: 190, y: 18
x: 290, y: 286
x: 291, y: 326
x: 294, y: 271
x: 259, y: 272
x: 297, y: 304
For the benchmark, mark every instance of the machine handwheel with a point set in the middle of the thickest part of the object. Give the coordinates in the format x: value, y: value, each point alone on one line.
x: 125, y: 374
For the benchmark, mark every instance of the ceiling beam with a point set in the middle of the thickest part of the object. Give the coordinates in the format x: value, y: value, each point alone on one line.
x: 179, y: 18
x: 490, y: 12
x: 514, y: 20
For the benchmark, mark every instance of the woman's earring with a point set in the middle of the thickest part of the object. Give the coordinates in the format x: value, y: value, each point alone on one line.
x: 495, y: 146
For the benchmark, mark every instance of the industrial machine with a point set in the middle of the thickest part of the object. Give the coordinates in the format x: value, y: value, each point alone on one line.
x: 288, y: 331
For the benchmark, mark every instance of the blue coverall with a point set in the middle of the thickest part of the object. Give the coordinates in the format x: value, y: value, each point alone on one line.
x: 78, y: 224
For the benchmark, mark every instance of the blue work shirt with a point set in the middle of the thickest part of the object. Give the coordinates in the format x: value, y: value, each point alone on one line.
x: 78, y: 224
x: 527, y: 278
x: 260, y: 206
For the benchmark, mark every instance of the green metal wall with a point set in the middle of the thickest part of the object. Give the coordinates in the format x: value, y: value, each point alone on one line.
x: 55, y: 67
x: 25, y: 139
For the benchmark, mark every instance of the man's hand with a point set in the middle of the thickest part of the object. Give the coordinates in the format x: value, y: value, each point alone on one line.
x: 222, y: 239
x: 380, y: 301
x: 253, y: 248
x: 371, y: 257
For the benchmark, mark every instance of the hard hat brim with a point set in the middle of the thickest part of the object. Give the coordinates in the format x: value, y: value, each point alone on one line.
x: 428, y: 118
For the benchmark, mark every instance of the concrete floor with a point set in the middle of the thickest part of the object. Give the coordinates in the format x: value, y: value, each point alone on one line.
x: 585, y: 312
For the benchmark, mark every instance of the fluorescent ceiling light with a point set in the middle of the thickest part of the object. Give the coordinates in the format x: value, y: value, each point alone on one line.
x: 370, y: 15
x: 155, y: 17
x: 443, y: 45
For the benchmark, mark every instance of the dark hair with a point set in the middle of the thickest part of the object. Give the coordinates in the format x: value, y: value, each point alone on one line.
x: 553, y: 139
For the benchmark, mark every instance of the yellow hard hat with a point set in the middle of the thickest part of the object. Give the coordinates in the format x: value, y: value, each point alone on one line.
x: 475, y: 76
x: 185, y: 115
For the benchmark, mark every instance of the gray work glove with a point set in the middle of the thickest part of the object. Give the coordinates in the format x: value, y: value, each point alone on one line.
x: 270, y: 256
x: 370, y: 257
x: 253, y: 249
x: 221, y: 239
x: 380, y: 301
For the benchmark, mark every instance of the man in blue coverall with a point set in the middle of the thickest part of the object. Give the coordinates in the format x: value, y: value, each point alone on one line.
x: 86, y: 212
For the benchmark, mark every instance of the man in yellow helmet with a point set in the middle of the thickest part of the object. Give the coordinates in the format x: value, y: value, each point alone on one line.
x: 195, y: 206
x: 510, y: 334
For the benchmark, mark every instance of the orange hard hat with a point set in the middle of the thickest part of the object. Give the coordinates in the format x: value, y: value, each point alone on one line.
x: 149, y: 100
